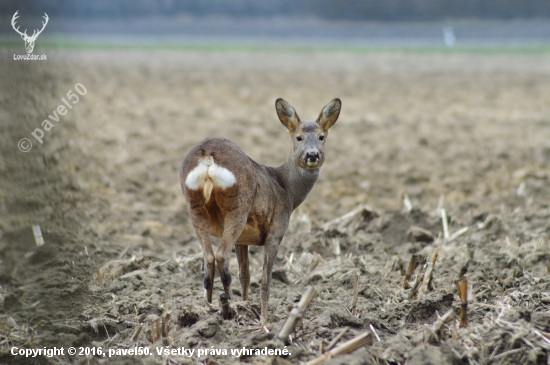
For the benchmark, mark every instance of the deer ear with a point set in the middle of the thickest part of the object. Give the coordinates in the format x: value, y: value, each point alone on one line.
x: 329, y: 114
x: 287, y: 114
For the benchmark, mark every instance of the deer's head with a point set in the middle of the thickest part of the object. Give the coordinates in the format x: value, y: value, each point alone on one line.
x: 29, y: 40
x: 308, y: 138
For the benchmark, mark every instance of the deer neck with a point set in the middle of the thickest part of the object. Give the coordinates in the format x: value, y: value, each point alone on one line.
x: 298, y: 181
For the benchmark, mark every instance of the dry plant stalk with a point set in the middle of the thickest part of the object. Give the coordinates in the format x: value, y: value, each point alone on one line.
x: 136, y: 332
x: 410, y: 271
x: 345, y: 348
x: 100, y: 277
x: 158, y: 333
x: 337, y: 248
x: 165, y: 325
x: 415, y: 260
x: 427, y: 281
x: 436, y: 328
x: 348, y: 222
x: 462, y: 285
x: 289, y: 262
x: 296, y: 315
x: 463, y: 293
x: 154, y: 333
x: 396, y: 261
x: 337, y: 339
x: 462, y: 272
x: 38, y: 238
x: 436, y: 255
x: 416, y: 285
x: 224, y: 304
x: 355, y: 294
x: 316, y: 260
x: 445, y: 224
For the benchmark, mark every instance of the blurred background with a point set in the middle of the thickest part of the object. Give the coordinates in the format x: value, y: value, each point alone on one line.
x: 356, y: 23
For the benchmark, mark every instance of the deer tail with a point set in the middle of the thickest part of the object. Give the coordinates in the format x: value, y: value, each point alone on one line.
x: 207, y: 189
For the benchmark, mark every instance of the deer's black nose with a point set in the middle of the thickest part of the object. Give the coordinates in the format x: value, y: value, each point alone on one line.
x: 312, y: 156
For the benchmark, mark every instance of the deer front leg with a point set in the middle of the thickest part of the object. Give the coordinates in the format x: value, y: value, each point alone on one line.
x: 201, y: 222
x: 270, y: 253
x: 244, y: 274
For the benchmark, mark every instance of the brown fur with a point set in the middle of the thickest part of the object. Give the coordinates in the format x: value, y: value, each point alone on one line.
x: 256, y: 209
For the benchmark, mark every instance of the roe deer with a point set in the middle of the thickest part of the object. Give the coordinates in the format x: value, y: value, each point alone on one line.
x: 243, y: 203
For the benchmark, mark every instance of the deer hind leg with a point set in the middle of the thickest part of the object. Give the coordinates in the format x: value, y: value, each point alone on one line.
x: 201, y: 222
x: 233, y: 226
x: 244, y: 274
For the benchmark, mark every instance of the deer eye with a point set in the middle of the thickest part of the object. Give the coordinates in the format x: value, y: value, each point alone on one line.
x: 321, y: 138
x: 299, y: 138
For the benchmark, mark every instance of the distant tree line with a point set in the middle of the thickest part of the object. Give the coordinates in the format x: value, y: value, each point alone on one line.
x: 392, y: 10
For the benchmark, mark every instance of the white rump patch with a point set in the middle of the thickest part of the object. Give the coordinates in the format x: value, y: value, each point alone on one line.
x: 195, y: 179
x: 220, y: 176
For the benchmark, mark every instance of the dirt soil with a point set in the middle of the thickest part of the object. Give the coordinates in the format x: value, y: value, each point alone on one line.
x: 419, y: 132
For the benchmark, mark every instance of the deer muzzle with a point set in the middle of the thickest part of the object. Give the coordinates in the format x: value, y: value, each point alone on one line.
x: 312, y: 159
